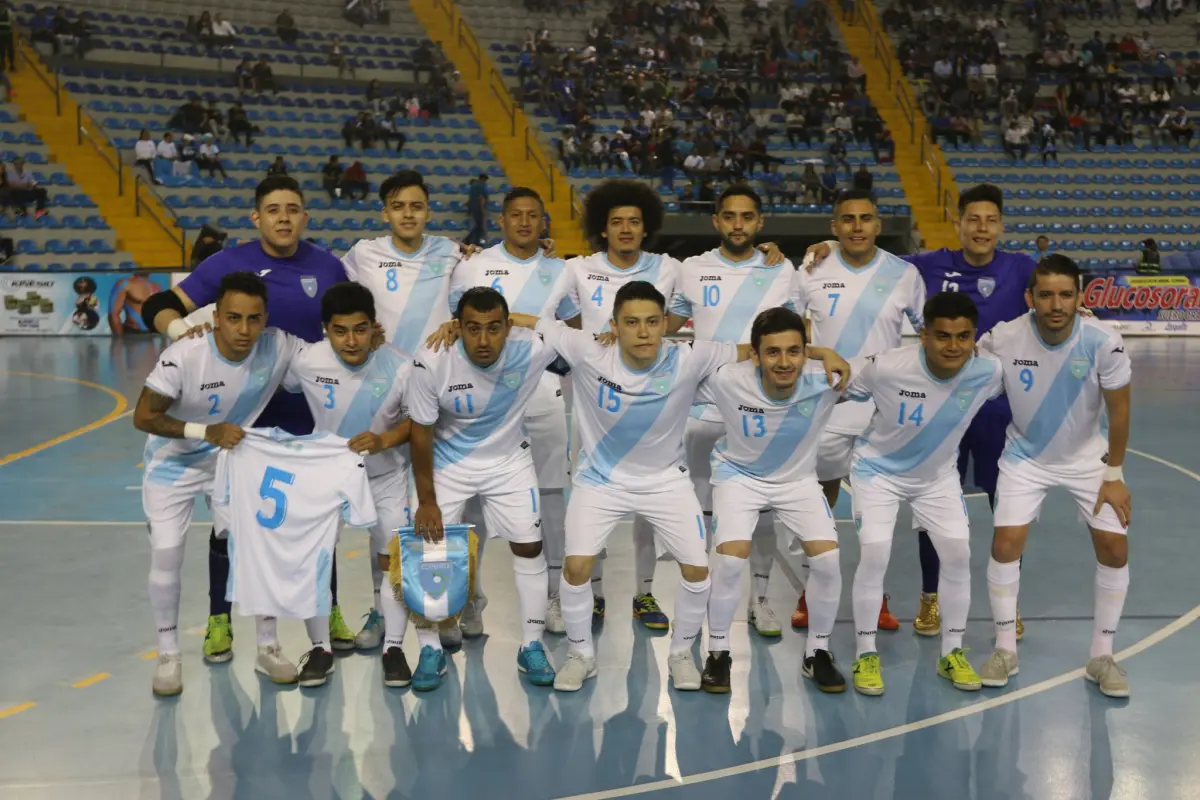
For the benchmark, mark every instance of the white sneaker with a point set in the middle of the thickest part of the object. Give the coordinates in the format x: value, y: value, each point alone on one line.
x: 1108, y: 676
x: 272, y: 663
x: 763, y: 620
x: 685, y: 676
x: 554, y: 617
x: 572, y: 674
x: 472, y: 618
x: 168, y: 675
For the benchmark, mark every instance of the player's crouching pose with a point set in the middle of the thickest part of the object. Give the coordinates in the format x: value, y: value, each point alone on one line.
x: 467, y: 404
x: 196, y: 400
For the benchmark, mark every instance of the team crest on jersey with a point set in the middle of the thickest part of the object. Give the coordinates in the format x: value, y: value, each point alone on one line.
x: 435, y: 577
x: 379, y: 388
x: 964, y: 398
x: 986, y: 286
x: 858, y: 520
x: 309, y: 284
x: 806, y: 408
x: 661, y: 385
x: 261, y: 374
x: 1080, y: 367
x: 883, y: 287
x: 545, y: 277
x: 512, y: 379
x: 759, y: 278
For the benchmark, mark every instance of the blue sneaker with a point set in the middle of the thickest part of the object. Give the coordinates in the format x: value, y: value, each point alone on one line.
x: 531, y: 659
x: 646, y: 608
x: 430, y: 670
x: 597, y: 611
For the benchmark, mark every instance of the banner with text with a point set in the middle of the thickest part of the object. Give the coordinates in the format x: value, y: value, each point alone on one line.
x: 1152, y: 305
x: 76, y: 303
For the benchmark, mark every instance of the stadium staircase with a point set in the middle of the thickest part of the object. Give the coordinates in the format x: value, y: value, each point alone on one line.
x: 927, y: 181
x: 507, y: 130
x: 88, y: 159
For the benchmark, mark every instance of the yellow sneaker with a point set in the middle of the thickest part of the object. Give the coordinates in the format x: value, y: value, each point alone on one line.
x: 868, y: 679
x: 929, y: 618
x: 1020, y: 625
x: 956, y: 669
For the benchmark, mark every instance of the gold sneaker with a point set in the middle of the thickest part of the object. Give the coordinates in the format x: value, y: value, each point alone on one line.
x: 1020, y: 625
x: 929, y: 618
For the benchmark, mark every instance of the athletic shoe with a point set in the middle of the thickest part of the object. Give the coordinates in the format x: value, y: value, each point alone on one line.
x: 554, y: 617
x: 763, y: 620
x: 430, y: 669
x: 168, y: 675
x: 887, y: 620
x: 645, y: 608
x: 1020, y: 625
x: 531, y: 659
x: 396, y: 673
x: 685, y: 677
x: 999, y: 668
x: 471, y: 621
x: 956, y: 669
x: 218, y: 640
x: 272, y: 663
x: 717, y: 667
x: 340, y: 635
x: 929, y: 617
x: 1108, y: 676
x: 597, y: 611
x: 868, y: 678
x: 800, y: 615
x: 315, y: 667
x: 574, y: 672
x: 371, y: 635
x: 451, y: 637
x: 820, y: 669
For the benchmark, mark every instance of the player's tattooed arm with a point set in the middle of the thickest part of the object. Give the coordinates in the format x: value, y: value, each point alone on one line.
x: 150, y: 415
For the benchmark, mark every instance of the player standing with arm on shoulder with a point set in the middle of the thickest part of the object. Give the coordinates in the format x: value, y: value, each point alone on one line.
x: 1062, y: 373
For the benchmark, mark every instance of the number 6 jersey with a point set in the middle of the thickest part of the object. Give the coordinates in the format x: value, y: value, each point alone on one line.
x: 284, y: 497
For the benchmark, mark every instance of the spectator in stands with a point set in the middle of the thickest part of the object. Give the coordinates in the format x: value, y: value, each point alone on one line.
x: 144, y: 151
x: 209, y: 241
x: 23, y: 189
x: 863, y: 179
x: 187, y: 155
x: 388, y: 130
x: 204, y: 28
x: 1016, y: 142
x: 1151, y: 262
x: 239, y: 123
x: 1041, y: 247
x: 167, y: 148
x: 209, y: 157
x: 1049, y: 143
x: 477, y: 197
x: 331, y: 178
x: 214, y: 122
x: 337, y: 57
x: 243, y: 76
x: 189, y: 117
x: 422, y: 60
x: 354, y: 181
x: 8, y: 53
x: 1179, y: 126
x: 264, y: 78
x: 285, y: 27
x: 224, y: 35
x: 829, y: 184
x: 277, y: 168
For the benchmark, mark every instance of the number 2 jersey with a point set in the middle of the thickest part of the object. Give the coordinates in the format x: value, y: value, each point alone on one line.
x: 1056, y: 391
x: 208, y: 388
x: 284, y: 497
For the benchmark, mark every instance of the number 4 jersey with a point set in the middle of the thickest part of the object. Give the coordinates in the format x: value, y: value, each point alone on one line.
x: 285, y: 497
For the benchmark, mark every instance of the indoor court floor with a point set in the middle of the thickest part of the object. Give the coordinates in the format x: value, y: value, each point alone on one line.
x: 77, y: 719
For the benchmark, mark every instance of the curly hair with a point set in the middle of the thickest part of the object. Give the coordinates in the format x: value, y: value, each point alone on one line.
x: 615, y: 193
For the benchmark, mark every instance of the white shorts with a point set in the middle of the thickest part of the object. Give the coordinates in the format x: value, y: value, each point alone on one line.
x: 508, y: 500
x: 169, y: 507
x: 800, y: 506
x: 1023, y: 484
x: 391, y: 496
x: 938, y: 507
x: 699, y: 438
x: 548, y: 444
x: 670, y: 507
x: 833, y: 455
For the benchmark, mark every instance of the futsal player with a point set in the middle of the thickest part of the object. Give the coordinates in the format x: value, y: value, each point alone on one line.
x: 468, y: 407
x: 925, y: 397
x: 1062, y: 373
x: 773, y: 410
x: 722, y: 292
x: 857, y: 299
x: 296, y: 273
x: 198, y: 398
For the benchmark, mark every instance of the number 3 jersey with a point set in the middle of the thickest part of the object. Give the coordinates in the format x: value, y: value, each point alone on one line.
x: 285, y: 497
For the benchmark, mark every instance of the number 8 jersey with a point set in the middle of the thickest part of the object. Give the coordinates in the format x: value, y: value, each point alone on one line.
x: 285, y: 497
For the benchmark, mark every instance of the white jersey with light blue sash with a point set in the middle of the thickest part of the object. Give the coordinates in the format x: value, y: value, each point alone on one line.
x: 478, y: 412
x: 594, y: 282
x: 411, y: 290
x: 772, y: 441
x: 347, y: 401
x: 860, y: 311
x: 631, y: 421
x: 208, y: 388
x: 1056, y: 391
x: 919, y: 419
x: 536, y: 286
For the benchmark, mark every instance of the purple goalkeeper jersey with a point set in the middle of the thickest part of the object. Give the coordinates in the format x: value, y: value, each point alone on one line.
x: 998, y: 289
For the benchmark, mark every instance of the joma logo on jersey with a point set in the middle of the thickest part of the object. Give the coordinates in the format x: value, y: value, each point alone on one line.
x: 493, y: 272
x: 610, y: 384
x: 390, y: 264
x: 833, y: 285
x: 704, y: 278
x: 204, y: 387
x: 1024, y: 362
x: 907, y: 393
x: 461, y: 387
x: 601, y: 278
x: 751, y: 410
x: 330, y: 381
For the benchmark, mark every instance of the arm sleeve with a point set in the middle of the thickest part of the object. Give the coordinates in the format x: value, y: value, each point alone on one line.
x: 862, y: 384
x: 707, y: 391
x: 679, y: 305
x: 293, y: 378
x: 201, y: 285
x: 799, y: 293
x: 1113, y: 363
x: 987, y: 343
x: 458, y: 286
x: 711, y: 356
x: 995, y: 386
x: 422, y: 394
x: 220, y: 491
x: 571, y: 344
x: 350, y: 263
x: 916, y: 301
x: 167, y: 376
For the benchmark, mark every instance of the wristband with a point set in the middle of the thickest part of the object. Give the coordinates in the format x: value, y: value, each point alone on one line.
x: 194, y: 430
x: 1113, y: 474
x: 176, y: 329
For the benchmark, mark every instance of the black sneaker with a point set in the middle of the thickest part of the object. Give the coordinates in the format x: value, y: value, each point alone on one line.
x: 715, y: 679
x: 315, y: 667
x: 819, y: 667
x: 395, y: 668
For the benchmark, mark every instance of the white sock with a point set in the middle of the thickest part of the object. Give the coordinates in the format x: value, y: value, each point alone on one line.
x: 1004, y: 581
x: 554, y: 535
x: 867, y: 593
x: 824, y: 593
x: 1112, y: 584
x: 395, y: 614
x: 318, y: 632
x: 166, y: 566
x: 691, y: 603
x: 762, y: 554
x: 428, y: 637
x: 954, y: 589
x: 577, y: 614
x: 597, y: 577
x: 726, y: 579
x: 645, y: 559
x: 266, y: 631
x: 376, y: 578
x: 531, y: 595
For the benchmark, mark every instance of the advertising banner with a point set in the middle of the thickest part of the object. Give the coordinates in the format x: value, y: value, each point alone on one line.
x: 1149, y: 305
x: 76, y: 303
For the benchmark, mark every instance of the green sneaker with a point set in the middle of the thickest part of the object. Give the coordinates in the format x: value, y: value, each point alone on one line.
x: 956, y: 669
x: 340, y: 635
x: 218, y: 641
x: 868, y: 678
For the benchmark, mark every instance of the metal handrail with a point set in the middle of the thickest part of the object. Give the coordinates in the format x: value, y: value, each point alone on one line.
x: 906, y: 107
x: 501, y: 94
x: 55, y: 86
x: 466, y: 37
x: 879, y: 41
x: 113, y: 161
x: 152, y: 212
x: 576, y: 203
x: 532, y: 150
